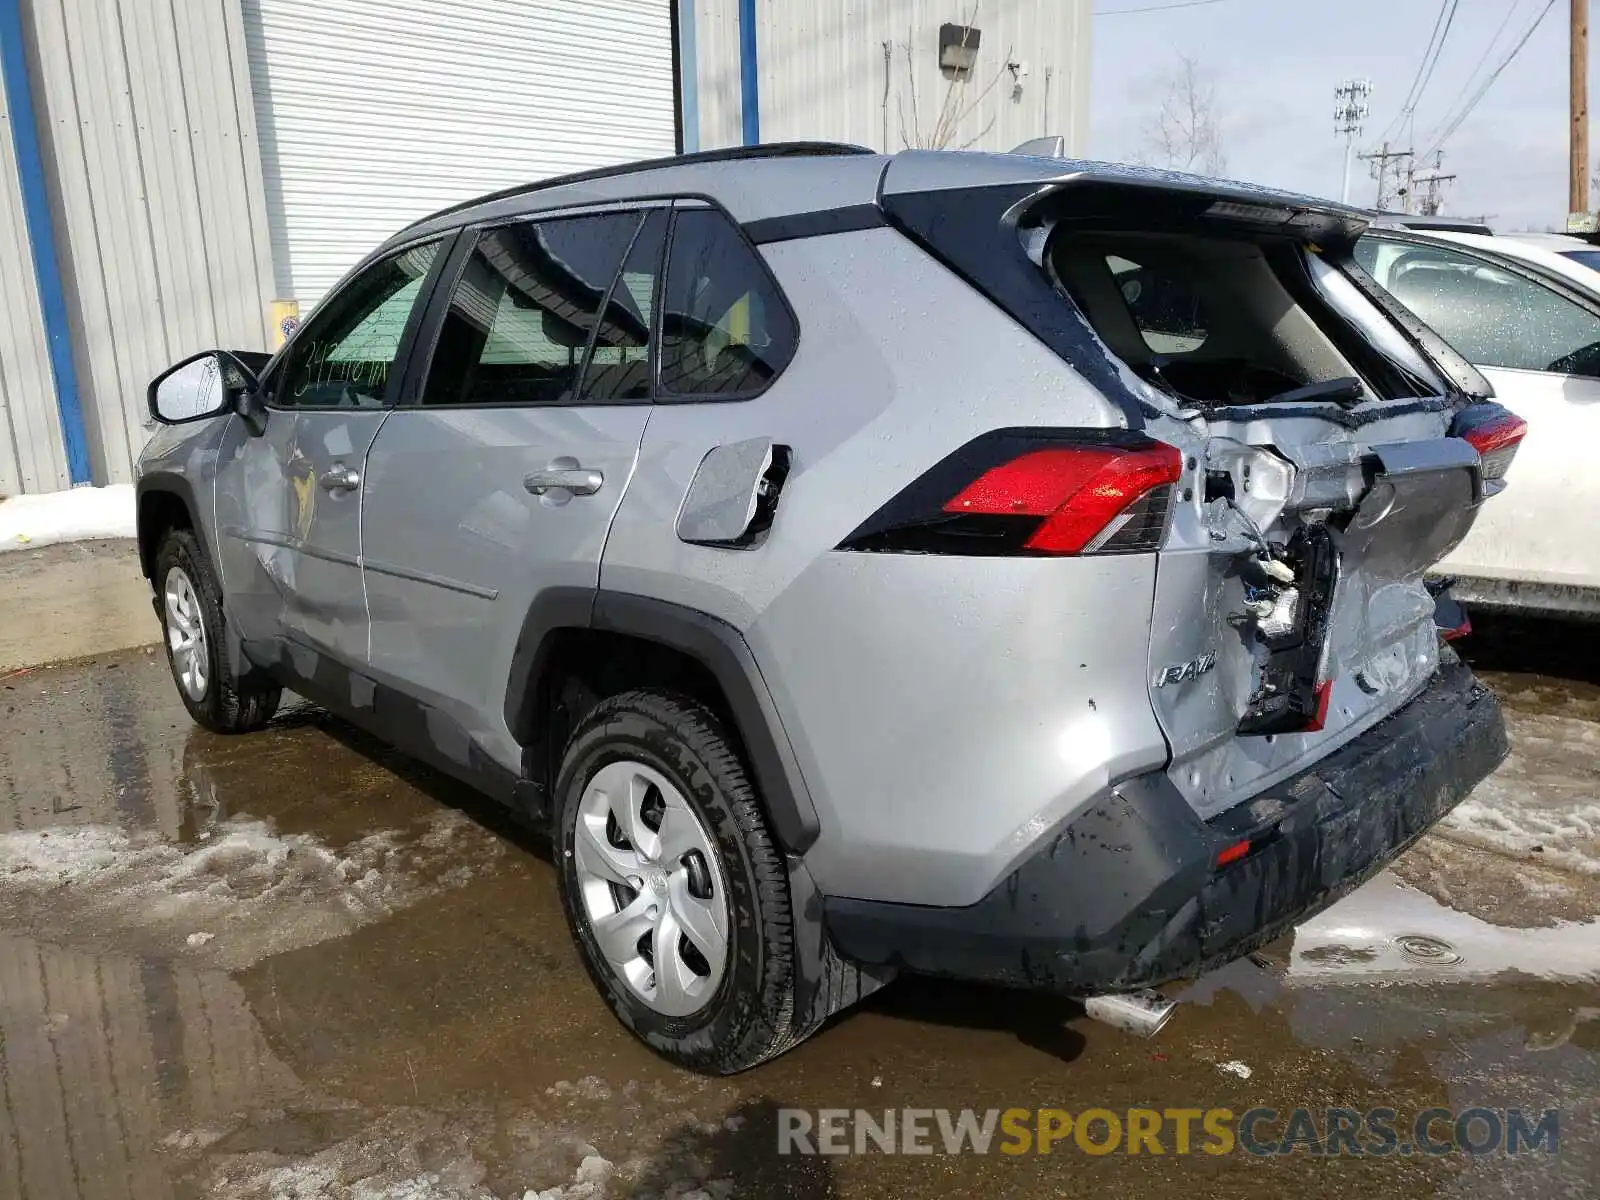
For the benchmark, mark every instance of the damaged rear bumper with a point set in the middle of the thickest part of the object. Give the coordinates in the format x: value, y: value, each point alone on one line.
x: 1129, y: 893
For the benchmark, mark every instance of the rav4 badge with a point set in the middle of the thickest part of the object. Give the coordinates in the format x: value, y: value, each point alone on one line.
x: 1183, y: 672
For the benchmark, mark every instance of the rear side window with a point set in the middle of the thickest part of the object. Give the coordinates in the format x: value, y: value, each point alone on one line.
x: 525, y: 310
x: 726, y: 332
x: 1167, y: 311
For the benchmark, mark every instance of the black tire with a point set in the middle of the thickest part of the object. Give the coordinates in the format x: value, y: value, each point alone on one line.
x: 227, y: 704
x: 750, y: 1018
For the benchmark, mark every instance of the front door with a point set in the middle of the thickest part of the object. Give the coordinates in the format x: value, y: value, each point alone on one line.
x: 289, y: 500
x: 503, y: 479
x: 1539, y: 345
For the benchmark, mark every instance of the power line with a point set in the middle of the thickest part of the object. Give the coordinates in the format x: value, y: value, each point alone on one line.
x: 1121, y: 12
x: 1449, y: 21
x: 1483, y: 89
x: 1405, y: 105
x: 1430, y: 54
x: 1483, y: 59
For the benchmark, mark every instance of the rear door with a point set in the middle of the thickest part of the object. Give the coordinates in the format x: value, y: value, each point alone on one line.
x: 1538, y: 343
x: 499, y: 480
x: 289, y: 499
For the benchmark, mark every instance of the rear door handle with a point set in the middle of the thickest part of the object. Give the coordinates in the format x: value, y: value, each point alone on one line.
x: 340, y: 478
x: 580, y: 481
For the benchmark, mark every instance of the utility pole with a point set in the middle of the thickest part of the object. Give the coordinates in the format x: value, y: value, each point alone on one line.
x: 1380, y: 160
x: 1350, y: 109
x: 1578, y: 155
x: 1432, y: 199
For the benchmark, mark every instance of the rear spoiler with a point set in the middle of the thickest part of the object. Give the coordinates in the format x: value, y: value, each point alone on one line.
x: 1161, y: 198
x: 1129, y: 195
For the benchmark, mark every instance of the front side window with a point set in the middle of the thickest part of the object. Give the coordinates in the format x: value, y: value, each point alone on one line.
x: 344, y: 357
x: 725, y: 329
x: 528, y: 304
x: 1492, y: 316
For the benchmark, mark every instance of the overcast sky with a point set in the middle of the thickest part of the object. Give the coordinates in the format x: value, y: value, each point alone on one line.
x: 1275, y: 64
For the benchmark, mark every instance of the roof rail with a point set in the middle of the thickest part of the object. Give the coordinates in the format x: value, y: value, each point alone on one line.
x: 731, y: 154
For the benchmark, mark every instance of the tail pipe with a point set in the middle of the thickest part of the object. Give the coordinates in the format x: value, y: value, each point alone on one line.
x: 1142, y: 1013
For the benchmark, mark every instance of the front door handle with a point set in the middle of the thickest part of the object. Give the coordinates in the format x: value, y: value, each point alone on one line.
x: 578, y: 480
x: 340, y: 478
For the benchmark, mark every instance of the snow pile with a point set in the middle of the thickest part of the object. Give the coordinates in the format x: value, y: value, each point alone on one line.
x: 1567, y: 838
x: 418, y: 1154
x: 1542, y: 803
x: 242, y: 892
x: 406, y: 1155
x: 242, y: 860
x: 45, y: 518
x: 589, y: 1181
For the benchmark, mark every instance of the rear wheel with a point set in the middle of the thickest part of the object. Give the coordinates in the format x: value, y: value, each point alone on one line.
x: 677, y: 895
x: 191, y: 619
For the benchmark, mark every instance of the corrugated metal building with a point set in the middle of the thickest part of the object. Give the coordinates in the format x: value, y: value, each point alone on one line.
x: 868, y: 71
x: 175, y: 177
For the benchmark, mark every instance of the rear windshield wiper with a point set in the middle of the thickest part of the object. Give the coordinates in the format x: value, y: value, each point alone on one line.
x: 1346, y: 390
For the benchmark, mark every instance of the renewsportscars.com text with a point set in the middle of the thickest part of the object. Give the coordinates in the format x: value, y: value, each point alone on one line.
x: 1376, y: 1132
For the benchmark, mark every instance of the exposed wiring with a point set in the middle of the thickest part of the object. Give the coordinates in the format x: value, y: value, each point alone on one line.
x: 1251, y: 530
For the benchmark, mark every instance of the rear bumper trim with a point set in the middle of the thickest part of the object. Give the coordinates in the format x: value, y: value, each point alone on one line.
x: 1127, y: 895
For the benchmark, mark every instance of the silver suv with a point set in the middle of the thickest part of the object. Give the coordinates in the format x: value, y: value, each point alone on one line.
x: 971, y: 564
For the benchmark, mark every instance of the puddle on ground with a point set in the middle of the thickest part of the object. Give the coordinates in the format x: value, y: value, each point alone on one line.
x: 1388, y: 931
x: 388, y: 1004
x: 134, y: 1077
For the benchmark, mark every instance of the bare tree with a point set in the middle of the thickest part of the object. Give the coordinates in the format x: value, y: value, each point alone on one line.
x: 955, y: 106
x: 1186, y: 133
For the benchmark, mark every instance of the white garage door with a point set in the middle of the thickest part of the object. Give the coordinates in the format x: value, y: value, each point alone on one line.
x: 372, y: 113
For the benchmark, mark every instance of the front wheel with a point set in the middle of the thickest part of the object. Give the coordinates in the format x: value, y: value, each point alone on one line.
x: 191, y: 620
x: 676, y: 894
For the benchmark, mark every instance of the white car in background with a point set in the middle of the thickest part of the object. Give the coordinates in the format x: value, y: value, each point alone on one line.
x: 1526, y: 311
x: 1575, y: 249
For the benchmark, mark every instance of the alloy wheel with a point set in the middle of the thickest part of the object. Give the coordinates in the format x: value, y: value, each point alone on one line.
x: 186, y: 634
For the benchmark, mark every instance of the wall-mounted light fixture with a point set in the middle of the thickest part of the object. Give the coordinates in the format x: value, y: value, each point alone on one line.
x: 1019, y: 72
x: 958, y: 46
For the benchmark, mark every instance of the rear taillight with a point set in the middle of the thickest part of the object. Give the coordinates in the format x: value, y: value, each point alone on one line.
x: 1033, y: 492
x: 1495, y: 433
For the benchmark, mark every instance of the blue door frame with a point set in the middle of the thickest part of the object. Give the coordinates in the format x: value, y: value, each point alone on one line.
x: 749, y: 93
x: 41, y: 239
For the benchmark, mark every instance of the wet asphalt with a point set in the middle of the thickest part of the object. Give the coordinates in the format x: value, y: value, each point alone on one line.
x: 297, y: 964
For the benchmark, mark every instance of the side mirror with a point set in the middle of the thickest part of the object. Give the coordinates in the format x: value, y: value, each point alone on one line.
x: 206, y: 385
